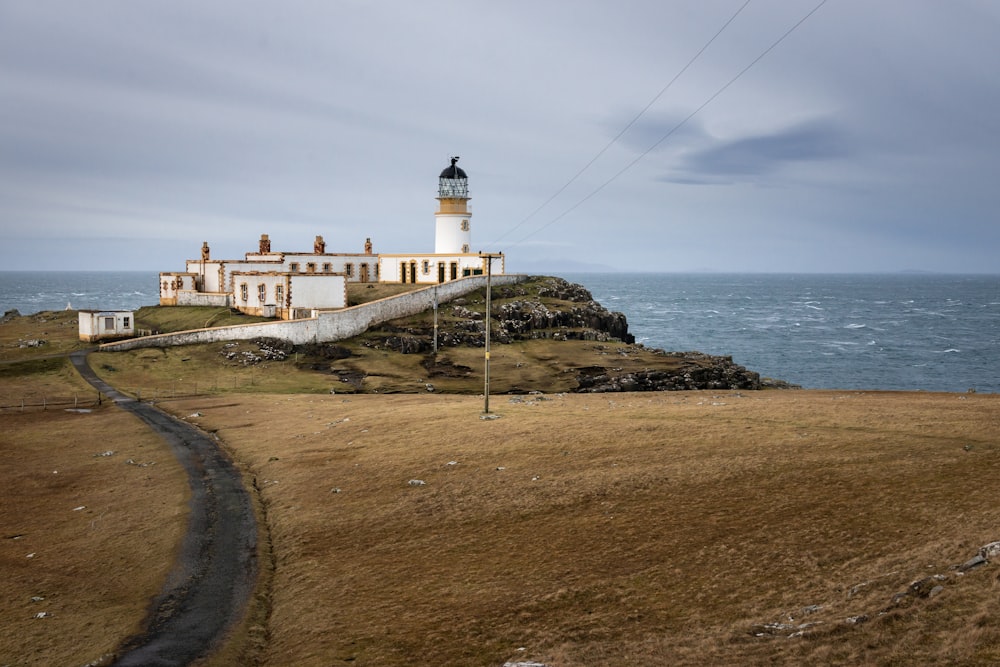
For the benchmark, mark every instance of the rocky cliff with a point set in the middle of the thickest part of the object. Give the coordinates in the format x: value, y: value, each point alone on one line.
x: 552, y: 309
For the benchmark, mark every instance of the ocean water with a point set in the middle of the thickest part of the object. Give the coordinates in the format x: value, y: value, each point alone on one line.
x: 908, y: 332
x: 33, y: 291
x: 893, y: 331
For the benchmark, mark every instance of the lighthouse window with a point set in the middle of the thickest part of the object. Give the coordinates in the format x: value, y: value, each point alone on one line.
x: 294, y: 267
x: 465, y: 225
x: 465, y: 248
x: 426, y: 266
x: 244, y: 292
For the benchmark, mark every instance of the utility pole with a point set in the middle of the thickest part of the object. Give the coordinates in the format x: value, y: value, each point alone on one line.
x: 489, y: 289
x: 435, y: 322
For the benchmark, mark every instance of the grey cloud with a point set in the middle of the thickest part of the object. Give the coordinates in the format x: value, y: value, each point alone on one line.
x: 817, y: 141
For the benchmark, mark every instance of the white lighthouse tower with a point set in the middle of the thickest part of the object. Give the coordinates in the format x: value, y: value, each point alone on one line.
x: 453, y: 231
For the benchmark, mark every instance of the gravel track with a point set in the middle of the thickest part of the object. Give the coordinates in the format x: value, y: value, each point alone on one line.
x: 209, y: 587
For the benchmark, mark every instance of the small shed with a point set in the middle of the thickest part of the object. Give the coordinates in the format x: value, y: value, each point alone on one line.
x: 101, y: 324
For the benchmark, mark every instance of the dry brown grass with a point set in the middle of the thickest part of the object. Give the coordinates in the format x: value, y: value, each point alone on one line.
x: 92, y: 535
x: 631, y: 529
x: 625, y: 529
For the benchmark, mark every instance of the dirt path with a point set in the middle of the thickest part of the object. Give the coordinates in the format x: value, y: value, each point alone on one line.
x: 208, y: 589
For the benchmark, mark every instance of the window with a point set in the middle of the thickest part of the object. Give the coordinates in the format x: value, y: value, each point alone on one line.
x: 262, y: 292
x: 166, y: 286
x: 279, y: 295
x: 349, y: 269
x: 465, y: 225
x: 294, y: 267
x: 327, y: 267
x: 127, y: 322
x: 109, y: 324
x: 426, y: 267
x: 311, y: 267
x: 244, y: 292
x: 465, y: 248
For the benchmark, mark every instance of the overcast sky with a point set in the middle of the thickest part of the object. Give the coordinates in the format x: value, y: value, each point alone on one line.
x: 868, y: 139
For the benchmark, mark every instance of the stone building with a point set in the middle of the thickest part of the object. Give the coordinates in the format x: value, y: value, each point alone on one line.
x: 293, y: 285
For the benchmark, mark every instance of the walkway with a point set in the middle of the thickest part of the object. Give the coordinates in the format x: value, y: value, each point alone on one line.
x: 207, y: 591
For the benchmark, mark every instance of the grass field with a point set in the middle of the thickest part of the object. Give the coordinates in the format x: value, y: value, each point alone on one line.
x: 632, y: 529
x: 693, y: 528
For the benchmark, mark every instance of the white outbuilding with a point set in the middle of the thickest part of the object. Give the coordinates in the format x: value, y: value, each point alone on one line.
x: 106, y: 324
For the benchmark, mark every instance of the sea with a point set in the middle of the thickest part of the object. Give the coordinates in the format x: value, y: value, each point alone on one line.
x: 924, y: 332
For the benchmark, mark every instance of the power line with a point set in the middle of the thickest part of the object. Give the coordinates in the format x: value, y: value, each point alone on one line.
x: 627, y: 126
x: 675, y: 127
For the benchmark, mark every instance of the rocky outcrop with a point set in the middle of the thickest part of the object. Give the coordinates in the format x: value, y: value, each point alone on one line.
x: 568, y: 312
x: 521, y: 320
x: 557, y: 310
x: 694, y: 370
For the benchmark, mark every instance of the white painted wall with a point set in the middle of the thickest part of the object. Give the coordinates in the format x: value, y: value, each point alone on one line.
x: 390, y: 266
x: 318, y: 291
x: 449, y: 237
x: 216, y: 299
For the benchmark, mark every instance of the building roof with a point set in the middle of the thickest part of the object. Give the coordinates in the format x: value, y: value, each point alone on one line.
x: 453, y: 171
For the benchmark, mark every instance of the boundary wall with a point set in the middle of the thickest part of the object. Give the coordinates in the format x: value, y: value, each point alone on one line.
x: 326, y: 326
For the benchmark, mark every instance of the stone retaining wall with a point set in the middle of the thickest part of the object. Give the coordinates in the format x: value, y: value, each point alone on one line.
x: 327, y: 326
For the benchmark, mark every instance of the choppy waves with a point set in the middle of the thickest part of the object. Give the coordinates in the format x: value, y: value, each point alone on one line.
x: 935, y: 333
x: 33, y: 291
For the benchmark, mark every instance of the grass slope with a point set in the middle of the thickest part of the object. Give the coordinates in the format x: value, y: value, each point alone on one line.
x: 617, y: 529
x: 628, y: 529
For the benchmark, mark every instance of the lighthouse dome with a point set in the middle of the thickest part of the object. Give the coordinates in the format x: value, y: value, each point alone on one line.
x: 453, y: 171
x: 453, y: 183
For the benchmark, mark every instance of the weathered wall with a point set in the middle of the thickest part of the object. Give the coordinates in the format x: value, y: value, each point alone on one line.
x: 190, y: 298
x: 327, y: 326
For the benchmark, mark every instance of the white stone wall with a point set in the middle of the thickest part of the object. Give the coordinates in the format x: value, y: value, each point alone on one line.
x: 452, y: 233
x: 427, y: 267
x: 171, y: 284
x: 326, y: 326
x: 318, y: 291
x: 211, y: 272
x: 216, y: 299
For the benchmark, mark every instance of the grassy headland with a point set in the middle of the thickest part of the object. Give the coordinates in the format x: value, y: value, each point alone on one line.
x: 697, y: 527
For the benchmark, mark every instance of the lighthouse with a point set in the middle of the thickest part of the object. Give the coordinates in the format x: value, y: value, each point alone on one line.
x: 453, y: 232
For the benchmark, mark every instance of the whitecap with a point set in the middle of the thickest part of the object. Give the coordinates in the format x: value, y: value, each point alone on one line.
x: 950, y: 349
x: 855, y: 326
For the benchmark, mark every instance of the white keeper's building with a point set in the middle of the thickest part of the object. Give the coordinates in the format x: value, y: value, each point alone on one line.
x: 293, y: 285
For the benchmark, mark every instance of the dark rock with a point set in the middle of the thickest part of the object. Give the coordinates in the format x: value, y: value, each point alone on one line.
x: 696, y: 371
x: 972, y: 563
